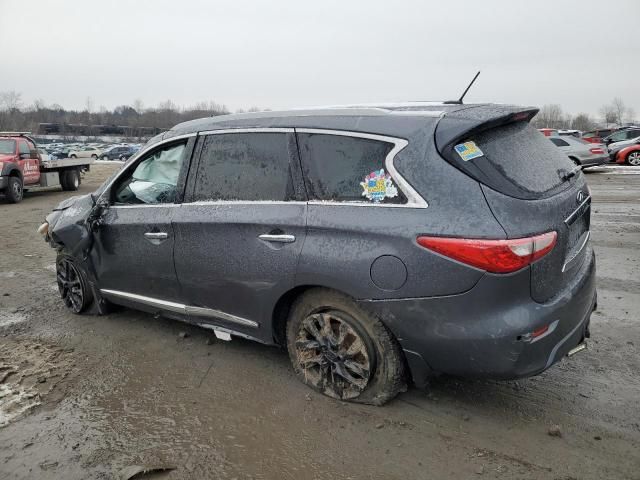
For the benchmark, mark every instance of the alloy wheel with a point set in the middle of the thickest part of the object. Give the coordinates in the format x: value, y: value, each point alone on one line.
x: 332, y: 356
x: 634, y: 158
x: 70, y: 286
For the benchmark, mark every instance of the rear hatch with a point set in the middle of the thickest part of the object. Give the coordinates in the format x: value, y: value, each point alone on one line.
x: 530, y: 185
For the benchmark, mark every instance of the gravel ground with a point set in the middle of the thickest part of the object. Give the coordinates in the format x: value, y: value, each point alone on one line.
x: 85, y: 397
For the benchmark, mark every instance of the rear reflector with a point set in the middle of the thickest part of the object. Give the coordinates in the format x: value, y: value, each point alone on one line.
x: 496, y: 256
x: 597, y: 151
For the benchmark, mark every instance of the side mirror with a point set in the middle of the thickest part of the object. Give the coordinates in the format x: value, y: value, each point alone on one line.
x: 95, y: 218
x: 33, y: 154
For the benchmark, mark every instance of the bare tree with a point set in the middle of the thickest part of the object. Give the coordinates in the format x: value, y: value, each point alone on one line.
x: 583, y: 122
x: 618, y: 106
x: 138, y: 105
x: 89, y: 104
x: 631, y: 115
x: 608, y: 114
x: 10, y: 100
x: 550, y: 116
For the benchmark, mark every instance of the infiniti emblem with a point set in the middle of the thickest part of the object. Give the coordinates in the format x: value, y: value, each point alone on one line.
x: 580, y: 197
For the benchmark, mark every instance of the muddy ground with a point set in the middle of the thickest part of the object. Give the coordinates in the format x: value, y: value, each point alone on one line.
x: 84, y: 397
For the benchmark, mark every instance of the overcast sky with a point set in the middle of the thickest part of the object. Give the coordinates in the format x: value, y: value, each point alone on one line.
x: 275, y: 54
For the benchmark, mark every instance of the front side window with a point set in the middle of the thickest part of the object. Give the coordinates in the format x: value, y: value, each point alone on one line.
x: 154, y: 179
x: 347, y: 169
x: 23, y: 147
x: 244, y: 167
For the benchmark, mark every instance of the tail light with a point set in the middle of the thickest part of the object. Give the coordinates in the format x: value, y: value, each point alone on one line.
x: 496, y: 256
x: 597, y: 151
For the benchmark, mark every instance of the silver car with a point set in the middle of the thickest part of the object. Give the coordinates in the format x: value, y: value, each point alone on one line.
x: 581, y: 152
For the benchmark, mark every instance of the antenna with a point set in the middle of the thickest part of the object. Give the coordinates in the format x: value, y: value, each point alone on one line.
x: 459, y: 101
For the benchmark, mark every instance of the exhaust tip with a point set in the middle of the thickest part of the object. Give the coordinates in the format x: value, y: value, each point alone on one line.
x: 578, y: 349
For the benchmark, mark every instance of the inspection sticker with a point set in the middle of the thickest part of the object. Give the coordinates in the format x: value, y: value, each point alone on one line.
x: 378, y: 185
x: 468, y: 151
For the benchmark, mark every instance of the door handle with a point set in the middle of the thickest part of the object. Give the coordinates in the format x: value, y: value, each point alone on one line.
x: 279, y: 238
x: 156, y: 235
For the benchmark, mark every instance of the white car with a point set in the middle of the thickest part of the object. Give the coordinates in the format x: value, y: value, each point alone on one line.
x: 85, y: 152
x: 44, y: 155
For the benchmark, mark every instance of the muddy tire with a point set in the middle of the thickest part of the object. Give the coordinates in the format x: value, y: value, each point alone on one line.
x: 70, y: 180
x: 15, y: 190
x: 72, y: 284
x: 340, y: 350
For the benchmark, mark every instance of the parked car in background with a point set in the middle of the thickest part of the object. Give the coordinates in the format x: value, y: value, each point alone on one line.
x: 548, y: 132
x: 117, y: 153
x: 573, y: 133
x: 44, y: 154
x: 582, y: 152
x: 621, y: 135
x: 615, y: 147
x: 596, y: 136
x: 273, y: 205
x: 629, y: 155
x: 85, y: 152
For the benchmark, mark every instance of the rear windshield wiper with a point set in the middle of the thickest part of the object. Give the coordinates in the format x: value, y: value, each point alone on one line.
x: 570, y: 174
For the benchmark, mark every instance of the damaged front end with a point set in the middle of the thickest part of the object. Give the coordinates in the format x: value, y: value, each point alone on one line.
x: 69, y: 229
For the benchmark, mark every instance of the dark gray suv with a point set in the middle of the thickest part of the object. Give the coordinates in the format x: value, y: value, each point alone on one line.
x: 379, y: 244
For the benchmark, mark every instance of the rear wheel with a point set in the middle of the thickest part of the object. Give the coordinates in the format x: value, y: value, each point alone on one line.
x: 73, y: 156
x: 70, y: 180
x: 94, y: 156
x: 72, y: 285
x: 633, y: 158
x: 14, y: 190
x: 343, y: 352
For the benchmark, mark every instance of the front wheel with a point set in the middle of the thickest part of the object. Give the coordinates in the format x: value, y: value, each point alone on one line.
x: 72, y: 285
x: 340, y: 350
x: 15, y: 190
x: 633, y: 158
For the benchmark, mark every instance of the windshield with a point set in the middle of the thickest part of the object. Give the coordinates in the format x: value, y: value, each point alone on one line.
x: 7, y: 146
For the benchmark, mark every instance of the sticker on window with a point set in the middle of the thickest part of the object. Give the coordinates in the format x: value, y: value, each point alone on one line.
x: 378, y: 185
x: 468, y: 151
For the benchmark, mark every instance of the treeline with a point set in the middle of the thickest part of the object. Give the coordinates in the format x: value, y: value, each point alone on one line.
x: 15, y: 116
x: 615, y: 113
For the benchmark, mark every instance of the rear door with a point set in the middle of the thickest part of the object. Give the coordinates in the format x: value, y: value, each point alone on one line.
x: 241, y: 229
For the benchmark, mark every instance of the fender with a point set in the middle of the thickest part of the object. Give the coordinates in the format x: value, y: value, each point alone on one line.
x: 9, y: 168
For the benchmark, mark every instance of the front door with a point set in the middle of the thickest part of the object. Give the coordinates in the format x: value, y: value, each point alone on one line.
x: 30, y: 166
x: 133, y: 252
x: 240, y: 231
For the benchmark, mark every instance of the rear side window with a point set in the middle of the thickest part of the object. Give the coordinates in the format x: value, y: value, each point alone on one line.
x: 559, y: 142
x: 347, y: 169
x: 244, y: 166
x: 517, y: 160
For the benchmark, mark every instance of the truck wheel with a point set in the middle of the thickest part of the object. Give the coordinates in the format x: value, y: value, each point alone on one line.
x: 70, y: 180
x: 14, y: 190
x: 340, y: 350
x: 72, y: 284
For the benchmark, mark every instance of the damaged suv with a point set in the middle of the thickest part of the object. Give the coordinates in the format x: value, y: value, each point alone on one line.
x: 379, y: 244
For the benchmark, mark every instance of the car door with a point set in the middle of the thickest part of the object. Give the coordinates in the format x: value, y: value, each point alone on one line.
x: 30, y: 166
x: 240, y: 231
x: 133, y: 251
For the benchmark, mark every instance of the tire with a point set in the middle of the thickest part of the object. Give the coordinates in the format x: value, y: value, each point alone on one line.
x: 343, y: 352
x: 15, y: 190
x: 633, y: 158
x: 94, y: 156
x: 73, y: 156
x: 72, y: 284
x: 70, y: 180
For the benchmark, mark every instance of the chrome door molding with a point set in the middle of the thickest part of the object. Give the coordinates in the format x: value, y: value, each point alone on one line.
x: 180, y: 308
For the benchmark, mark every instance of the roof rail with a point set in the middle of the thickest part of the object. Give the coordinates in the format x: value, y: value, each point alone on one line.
x: 14, y: 134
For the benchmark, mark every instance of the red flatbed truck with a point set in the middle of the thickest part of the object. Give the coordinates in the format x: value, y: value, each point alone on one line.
x: 22, y: 167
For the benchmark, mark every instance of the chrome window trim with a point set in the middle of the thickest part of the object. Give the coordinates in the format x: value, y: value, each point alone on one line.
x: 414, y: 200
x: 181, y: 308
x: 243, y: 202
x: 578, y: 212
x: 222, y: 131
x: 139, y: 154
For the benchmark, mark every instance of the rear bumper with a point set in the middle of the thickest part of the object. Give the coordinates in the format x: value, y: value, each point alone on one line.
x: 482, y: 332
x: 593, y: 161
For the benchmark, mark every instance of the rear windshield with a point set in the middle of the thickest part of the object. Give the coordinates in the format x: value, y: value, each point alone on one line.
x: 517, y: 155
